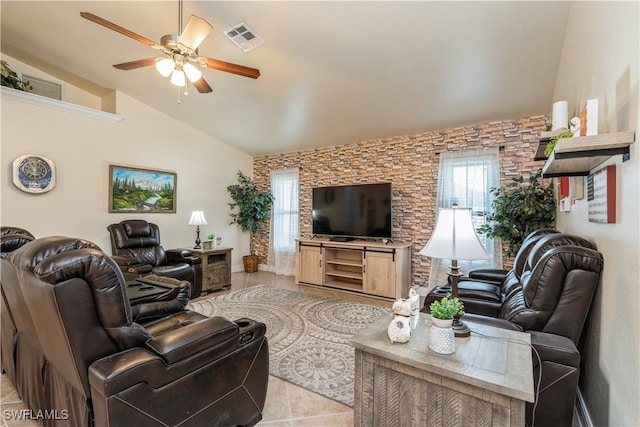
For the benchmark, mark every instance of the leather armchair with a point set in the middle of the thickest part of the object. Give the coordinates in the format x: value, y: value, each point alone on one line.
x: 135, y: 245
x: 551, y: 303
x: 103, y: 369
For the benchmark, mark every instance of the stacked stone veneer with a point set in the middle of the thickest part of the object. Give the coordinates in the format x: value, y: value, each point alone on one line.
x: 410, y: 163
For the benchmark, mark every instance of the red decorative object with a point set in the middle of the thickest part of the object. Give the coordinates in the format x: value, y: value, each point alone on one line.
x: 564, y: 187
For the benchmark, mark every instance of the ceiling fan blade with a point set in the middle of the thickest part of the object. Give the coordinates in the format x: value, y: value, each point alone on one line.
x: 241, y: 70
x: 119, y: 29
x: 136, y: 64
x: 195, y: 32
x: 202, y: 86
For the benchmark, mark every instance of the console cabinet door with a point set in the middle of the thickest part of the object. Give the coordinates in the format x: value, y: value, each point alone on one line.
x: 309, y: 264
x: 380, y: 274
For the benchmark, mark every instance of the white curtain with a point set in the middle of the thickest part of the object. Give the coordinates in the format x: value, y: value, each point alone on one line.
x: 465, y: 178
x: 284, y: 221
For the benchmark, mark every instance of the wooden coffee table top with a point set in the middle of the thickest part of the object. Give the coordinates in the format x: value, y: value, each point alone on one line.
x: 493, y: 359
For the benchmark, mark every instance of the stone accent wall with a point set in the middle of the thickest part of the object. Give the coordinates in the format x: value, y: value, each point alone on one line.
x: 410, y: 163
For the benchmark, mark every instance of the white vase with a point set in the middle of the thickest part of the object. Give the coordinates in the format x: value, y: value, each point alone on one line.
x: 442, y: 338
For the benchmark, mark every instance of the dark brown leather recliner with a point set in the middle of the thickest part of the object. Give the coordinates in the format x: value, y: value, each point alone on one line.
x: 484, y: 291
x: 103, y: 369
x: 551, y: 303
x: 22, y: 358
x: 135, y: 245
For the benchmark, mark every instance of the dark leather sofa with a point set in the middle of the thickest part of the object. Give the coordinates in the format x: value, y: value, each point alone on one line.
x: 550, y: 300
x: 99, y: 367
x: 135, y: 245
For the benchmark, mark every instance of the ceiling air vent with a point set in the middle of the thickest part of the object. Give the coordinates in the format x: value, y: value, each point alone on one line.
x: 244, y: 37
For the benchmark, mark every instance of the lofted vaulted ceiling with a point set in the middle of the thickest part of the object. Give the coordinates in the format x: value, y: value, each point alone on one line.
x: 332, y: 72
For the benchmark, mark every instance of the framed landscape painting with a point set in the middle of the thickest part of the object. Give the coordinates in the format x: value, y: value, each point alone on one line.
x: 140, y: 190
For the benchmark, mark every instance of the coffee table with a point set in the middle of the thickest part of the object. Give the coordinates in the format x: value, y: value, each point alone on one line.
x: 485, y: 382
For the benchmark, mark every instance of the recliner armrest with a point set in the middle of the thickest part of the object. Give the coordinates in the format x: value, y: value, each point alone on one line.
x: 130, y: 264
x: 554, y: 348
x: 190, y: 339
x: 176, y: 256
x: 489, y: 275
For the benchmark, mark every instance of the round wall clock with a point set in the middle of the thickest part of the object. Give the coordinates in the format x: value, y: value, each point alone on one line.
x: 34, y: 174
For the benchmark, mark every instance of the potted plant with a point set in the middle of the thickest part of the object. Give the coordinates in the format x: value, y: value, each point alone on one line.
x: 442, y: 337
x: 548, y: 149
x: 519, y: 208
x: 444, y: 310
x: 254, y: 207
x: 10, y: 78
x: 208, y: 244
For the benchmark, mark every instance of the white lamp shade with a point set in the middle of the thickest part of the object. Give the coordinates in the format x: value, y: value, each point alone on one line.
x: 177, y: 78
x: 165, y: 66
x: 197, y: 218
x: 454, y: 237
x: 192, y: 72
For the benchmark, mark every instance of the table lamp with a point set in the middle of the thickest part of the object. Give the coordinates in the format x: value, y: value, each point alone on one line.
x: 197, y: 219
x: 455, y: 238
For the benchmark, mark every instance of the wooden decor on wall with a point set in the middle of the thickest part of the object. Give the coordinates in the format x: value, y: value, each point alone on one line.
x: 601, y: 195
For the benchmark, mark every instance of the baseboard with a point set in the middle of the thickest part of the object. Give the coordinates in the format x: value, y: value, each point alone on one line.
x: 582, y: 413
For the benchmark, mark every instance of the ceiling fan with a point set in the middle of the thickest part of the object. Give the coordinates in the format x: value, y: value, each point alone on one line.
x: 181, y: 51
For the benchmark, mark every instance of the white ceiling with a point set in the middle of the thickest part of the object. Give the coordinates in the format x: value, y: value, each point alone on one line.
x: 332, y: 72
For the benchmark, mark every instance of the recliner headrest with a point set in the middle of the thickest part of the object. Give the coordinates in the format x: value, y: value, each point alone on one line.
x: 553, y: 240
x: 29, y: 256
x: 136, y: 228
x: 6, y: 230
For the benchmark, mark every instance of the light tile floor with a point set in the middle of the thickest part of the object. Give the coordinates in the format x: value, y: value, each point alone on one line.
x: 287, y: 405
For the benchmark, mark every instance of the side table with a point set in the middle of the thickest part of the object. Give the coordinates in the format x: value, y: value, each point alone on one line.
x: 485, y: 382
x: 216, y: 267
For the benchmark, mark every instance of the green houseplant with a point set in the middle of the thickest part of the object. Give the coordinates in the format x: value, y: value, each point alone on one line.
x: 10, y: 78
x: 520, y: 207
x: 446, y: 308
x: 548, y: 149
x: 253, y: 208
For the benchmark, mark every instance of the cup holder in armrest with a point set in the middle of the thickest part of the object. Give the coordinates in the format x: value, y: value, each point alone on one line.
x: 243, y: 323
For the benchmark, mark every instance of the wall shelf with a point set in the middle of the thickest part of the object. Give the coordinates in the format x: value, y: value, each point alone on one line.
x: 54, y: 104
x: 578, y: 156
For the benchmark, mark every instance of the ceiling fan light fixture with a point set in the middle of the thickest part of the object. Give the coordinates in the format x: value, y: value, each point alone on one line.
x: 193, y: 74
x: 165, y: 67
x: 177, y: 78
x: 194, y: 33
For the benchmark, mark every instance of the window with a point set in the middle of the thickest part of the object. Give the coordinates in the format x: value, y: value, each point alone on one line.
x: 284, y: 221
x: 465, y: 178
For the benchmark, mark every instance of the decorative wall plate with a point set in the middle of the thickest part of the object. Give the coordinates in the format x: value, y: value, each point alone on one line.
x: 33, y: 173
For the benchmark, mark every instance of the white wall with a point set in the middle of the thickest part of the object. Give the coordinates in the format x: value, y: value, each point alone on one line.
x: 83, y: 148
x: 600, y: 60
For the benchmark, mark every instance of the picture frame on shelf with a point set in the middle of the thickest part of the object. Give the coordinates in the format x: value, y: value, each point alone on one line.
x: 140, y: 190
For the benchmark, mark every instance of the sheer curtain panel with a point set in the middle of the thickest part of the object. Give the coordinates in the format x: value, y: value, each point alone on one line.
x: 284, y: 221
x: 465, y: 178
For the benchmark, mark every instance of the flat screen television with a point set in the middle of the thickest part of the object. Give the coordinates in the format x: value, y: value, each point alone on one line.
x: 362, y: 210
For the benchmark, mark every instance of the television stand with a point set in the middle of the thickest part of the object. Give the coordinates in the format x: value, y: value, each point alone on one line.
x: 342, y: 239
x: 372, y: 268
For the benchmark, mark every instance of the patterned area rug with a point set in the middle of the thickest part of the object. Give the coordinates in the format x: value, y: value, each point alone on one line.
x: 308, y: 334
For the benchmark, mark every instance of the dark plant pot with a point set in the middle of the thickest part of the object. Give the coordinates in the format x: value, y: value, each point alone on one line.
x: 250, y: 263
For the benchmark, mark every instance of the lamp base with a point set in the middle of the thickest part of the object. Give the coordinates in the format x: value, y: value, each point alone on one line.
x: 460, y: 329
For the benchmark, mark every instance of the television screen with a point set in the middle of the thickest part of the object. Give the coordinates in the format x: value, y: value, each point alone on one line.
x: 353, y: 210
